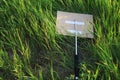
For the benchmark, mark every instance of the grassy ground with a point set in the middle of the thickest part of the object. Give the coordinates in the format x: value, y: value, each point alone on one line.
x: 31, y: 49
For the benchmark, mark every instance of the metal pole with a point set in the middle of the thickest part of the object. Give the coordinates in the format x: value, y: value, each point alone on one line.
x: 76, y: 55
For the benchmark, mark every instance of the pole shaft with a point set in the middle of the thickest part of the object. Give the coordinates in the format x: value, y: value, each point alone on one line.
x: 76, y: 55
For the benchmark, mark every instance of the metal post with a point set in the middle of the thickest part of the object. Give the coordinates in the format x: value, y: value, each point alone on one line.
x: 76, y: 56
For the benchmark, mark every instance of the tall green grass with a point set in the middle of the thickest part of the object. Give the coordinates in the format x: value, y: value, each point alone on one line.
x: 31, y: 48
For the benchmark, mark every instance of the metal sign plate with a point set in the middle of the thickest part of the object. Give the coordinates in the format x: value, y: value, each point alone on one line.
x: 68, y: 23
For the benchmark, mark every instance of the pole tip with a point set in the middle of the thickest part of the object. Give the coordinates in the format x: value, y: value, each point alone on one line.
x: 76, y: 78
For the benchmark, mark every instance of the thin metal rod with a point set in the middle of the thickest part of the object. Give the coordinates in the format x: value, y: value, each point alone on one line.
x: 76, y: 55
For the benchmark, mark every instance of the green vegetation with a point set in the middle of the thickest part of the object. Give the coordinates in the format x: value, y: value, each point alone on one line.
x: 31, y: 49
